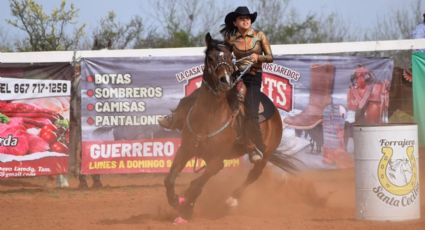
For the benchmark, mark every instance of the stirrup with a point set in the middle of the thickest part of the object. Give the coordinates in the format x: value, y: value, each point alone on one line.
x: 166, y: 121
x: 255, y: 155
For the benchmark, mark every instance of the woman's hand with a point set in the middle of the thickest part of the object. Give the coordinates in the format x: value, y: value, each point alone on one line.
x: 254, y: 58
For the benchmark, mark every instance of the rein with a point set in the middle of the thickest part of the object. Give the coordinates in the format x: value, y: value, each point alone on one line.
x: 238, y: 78
x: 241, y: 75
x: 215, y: 92
x: 203, y: 137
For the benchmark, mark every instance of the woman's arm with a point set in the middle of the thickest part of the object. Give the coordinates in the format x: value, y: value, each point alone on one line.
x: 267, y: 51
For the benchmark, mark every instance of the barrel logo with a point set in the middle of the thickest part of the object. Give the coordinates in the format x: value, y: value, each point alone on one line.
x: 384, y: 180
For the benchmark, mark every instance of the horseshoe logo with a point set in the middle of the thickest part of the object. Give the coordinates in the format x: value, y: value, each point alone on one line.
x: 382, y: 172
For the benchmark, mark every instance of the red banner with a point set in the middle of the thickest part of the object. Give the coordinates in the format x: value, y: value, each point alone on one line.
x: 34, y: 123
x: 134, y: 156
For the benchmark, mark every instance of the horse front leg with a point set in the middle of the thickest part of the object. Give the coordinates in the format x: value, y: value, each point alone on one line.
x: 179, y: 162
x: 253, y: 175
x: 196, y: 186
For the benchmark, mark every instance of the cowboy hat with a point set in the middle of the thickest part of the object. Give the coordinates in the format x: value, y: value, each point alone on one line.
x: 241, y: 10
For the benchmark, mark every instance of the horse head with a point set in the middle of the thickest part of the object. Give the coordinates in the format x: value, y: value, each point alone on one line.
x: 219, y: 66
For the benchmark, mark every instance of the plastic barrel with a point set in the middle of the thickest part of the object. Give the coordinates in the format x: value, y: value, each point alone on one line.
x: 387, y: 172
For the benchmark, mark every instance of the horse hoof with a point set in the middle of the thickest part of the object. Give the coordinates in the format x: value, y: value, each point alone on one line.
x: 232, y: 202
x: 180, y: 220
x: 255, y: 158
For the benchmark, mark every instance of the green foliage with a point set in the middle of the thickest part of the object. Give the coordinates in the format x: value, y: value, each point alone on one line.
x: 45, y: 32
x: 4, y: 44
x: 400, y: 116
x: 181, y: 39
x: 183, y: 23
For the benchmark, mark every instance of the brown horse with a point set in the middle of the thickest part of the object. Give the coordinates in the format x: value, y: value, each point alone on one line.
x: 208, y: 132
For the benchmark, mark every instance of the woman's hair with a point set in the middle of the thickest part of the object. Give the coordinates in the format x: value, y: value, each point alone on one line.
x: 228, y: 30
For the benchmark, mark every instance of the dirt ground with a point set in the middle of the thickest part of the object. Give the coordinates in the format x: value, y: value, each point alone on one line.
x: 307, y: 200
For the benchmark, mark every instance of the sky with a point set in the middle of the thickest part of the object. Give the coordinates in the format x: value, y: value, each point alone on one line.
x: 359, y: 14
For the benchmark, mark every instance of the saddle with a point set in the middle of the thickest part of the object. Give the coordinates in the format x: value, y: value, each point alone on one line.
x: 265, y: 109
x: 265, y: 112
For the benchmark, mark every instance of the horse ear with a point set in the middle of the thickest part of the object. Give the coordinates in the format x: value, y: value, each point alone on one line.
x: 208, y: 38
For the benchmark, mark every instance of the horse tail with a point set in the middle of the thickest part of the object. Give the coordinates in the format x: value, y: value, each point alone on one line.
x: 288, y: 163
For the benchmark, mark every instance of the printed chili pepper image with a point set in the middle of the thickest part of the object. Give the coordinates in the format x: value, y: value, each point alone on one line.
x: 34, y: 125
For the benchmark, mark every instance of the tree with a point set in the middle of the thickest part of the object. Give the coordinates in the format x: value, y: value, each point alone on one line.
x: 4, y: 44
x: 45, y: 32
x: 113, y: 35
x: 283, y: 25
x: 399, y: 24
x: 182, y: 23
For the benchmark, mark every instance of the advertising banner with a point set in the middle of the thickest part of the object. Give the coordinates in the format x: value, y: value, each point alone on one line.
x: 319, y: 98
x: 330, y: 96
x: 34, y: 121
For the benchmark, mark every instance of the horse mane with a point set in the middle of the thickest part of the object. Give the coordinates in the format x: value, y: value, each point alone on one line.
x: 215, y: 44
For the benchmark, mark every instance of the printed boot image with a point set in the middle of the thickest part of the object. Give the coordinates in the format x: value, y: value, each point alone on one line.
x: 321, y: 85
x: 334, y: 136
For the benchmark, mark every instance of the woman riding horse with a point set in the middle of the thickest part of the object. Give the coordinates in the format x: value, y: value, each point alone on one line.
x: 209, y: 132
x: 249, y: 46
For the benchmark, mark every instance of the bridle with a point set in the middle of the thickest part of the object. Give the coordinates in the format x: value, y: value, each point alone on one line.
x: 229, y: 68
x: 237, y: 79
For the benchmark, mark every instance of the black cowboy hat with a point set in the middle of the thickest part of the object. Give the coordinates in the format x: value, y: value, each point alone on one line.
x: 241, y: 10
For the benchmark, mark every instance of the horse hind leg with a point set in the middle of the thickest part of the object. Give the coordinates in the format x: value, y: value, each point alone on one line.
x: 196, y: 186
x: 253, y: 175
x: 179, y: 163
x: 272, y: 134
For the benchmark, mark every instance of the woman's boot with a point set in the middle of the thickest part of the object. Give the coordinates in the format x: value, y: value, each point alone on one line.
x: 255, y: 145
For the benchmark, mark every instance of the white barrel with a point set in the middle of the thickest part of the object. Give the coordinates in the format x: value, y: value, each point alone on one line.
x: 387, y: 172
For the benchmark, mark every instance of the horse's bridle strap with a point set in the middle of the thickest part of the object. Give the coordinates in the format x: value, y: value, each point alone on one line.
x: 201, y: 137
x: 205, y: 83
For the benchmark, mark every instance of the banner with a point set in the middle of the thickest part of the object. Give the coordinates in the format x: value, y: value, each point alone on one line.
x: 121, y: 101
x: 330, y: 96
x: 319, y: 99
x: 418, y: 68
x: 34, y: 120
